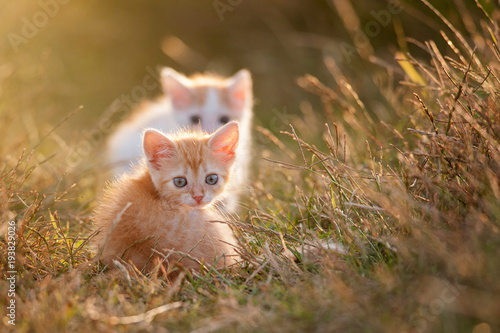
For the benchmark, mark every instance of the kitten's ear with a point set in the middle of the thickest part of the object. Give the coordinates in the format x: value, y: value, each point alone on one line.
x: 177, y: 87
x: 157, y: 148
x: 239, y: 88
x: 223, y: 143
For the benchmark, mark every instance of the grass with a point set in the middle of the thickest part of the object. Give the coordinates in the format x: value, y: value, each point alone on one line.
x: 402, y: 170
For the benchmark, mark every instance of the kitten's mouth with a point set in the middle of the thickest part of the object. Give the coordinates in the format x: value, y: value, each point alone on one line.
x: 197, y: 204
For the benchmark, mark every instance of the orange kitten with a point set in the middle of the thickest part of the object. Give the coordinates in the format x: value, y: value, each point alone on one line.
x: 205, y: 100
x: 170, y: 200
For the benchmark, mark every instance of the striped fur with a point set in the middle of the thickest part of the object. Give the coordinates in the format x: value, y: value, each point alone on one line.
x: 164, y: 216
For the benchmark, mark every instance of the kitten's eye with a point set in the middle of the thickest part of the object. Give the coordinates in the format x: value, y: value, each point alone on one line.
x: 212, y: 179
x: 180, y: 181
x: 195, y: 119
x: 224, y: 119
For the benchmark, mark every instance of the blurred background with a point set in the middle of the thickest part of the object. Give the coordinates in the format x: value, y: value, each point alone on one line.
x: 412, y: 188
x: 57, y: 55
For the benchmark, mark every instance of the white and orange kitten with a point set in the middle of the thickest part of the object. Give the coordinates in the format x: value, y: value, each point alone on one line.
x: 168, y: 203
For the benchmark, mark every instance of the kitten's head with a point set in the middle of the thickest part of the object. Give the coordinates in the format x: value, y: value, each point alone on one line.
x: 191, y: 168
x: 207, y: 100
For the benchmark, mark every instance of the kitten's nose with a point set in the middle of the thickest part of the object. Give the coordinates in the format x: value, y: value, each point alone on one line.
x: 198, y: 198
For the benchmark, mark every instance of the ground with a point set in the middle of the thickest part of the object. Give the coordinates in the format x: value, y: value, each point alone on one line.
x: 374, y: 203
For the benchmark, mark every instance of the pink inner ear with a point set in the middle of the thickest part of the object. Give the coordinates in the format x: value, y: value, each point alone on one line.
x: 238, y: 95
x: 240, y: 90
x: 157, y: 148
x: 225, y: 141
x: 226, y: 153
x: 179, y: 93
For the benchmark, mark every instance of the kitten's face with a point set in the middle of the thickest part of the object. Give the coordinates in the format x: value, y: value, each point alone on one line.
x: 207, y: 101
x: 193, y: 185
x: 191, y: 170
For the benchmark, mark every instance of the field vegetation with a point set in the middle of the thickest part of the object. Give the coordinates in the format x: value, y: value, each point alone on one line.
x: 374, y: 204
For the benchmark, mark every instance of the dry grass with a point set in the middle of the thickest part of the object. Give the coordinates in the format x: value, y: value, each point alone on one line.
x: 411, y: 194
